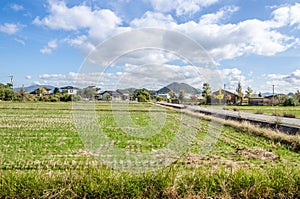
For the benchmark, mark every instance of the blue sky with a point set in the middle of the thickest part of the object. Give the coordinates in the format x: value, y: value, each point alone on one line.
x: 255, y: 42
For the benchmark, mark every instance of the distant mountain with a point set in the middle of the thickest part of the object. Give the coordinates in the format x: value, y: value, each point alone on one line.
x: 34, y: 87
x: 176, y: 87
x: 126, y: 90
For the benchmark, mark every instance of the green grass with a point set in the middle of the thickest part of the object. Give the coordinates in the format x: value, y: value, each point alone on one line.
x: 268, y: 110
x: 42, y: 156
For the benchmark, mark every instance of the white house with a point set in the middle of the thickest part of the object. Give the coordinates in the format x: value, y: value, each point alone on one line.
x: 70, y: 90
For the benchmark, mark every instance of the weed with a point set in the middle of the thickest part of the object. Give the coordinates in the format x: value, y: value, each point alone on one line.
x: 290, y: 115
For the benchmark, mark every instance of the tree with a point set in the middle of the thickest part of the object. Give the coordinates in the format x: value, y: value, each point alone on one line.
x: 206, y: 93
x: 297, y: 95
x: 6, y: 92
x: 142, y: 95
x: 249, y: 92
x: 240, y: 93
x: 41, y: 91
x: 220, y: 96
x: 56, y: 90
x: 88, y: 93
x: 259, y: 94
x: 181, y: 95
x: 171, y: 94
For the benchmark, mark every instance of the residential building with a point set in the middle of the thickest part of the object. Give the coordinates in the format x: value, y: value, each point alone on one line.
x: 70, y: 90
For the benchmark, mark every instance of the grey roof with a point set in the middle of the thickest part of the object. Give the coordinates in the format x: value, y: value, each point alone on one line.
x: 69, y: 87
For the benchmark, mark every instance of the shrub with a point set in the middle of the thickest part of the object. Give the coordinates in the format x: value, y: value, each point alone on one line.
x: 159, y: 98
x: 290, y: 115
x: 290, y: 101
x: 235, y: 109
x: 276, y: 114
x: 175, y: 101
x: 259, y: 111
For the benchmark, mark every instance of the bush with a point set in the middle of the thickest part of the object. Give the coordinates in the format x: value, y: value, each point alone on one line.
x: 290, y: 101
x: 66, y: 98
x: 175, y: 101
x: 290, y: 115
x: 76, y: 98
x: 159, y: 99
x: 276, y: 114
x: 259, y: 111
x: 142, y: 98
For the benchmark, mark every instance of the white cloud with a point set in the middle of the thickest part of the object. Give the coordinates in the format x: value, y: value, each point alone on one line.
x: 182, y: 7
x: 20, y: 41
x: 221, y: 41
x: 154, y: 19
x: 98, y: 22
x: 17, y: 7
x: 50, y: 47
x: 10, y: 28
x: 287, y: 15
x: 220, y: 15
x: 285, y: 82
x: 232, y: 76
x: 52, y: 76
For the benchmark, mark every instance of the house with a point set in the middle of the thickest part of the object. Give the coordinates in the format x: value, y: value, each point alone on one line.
x: 70, y: 90
x: 164, y: 95
x: 274, y: 99
x: 258, y: 101
x: 41, y: 91
x: 113, y: 96
x: 228, y: 97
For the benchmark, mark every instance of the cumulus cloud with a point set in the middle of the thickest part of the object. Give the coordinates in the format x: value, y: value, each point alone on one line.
x: 287, y: 15
x: 285, y: 82
x: 49, y: 47
x: 221, y: 41
x: 28, y: 77
x: 98, y: 22
x: 232, y: 76
x: 10, y: 28
x: 151, y: 76
x: 181, y: 7
x: 218, y: 16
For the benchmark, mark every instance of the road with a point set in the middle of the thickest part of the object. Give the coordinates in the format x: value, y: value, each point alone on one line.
x: 291, y: 122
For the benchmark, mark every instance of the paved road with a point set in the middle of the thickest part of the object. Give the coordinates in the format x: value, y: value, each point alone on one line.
x: 292, y: 122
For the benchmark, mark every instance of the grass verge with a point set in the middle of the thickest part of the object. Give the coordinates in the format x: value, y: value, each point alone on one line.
x: 279, y: 182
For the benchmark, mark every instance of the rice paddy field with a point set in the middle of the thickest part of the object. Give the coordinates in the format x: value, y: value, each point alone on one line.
x: 43, y: 155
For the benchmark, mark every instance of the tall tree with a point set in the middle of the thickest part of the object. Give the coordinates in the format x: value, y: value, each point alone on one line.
x: 56, y: 90
x: 6, y: 92
x: 220, y: 96
x: 181, y: 95
x: 171, y: 94
x: 240, y: 93
x: 259, y: 94
x: 206, y: 93
x: 297, y: 95
x: 249, y: 92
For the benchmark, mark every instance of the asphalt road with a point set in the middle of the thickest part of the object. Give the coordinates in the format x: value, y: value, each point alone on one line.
x: 292, y: 122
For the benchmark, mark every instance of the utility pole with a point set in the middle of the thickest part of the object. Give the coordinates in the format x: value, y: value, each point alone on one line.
x: 225, y: 94
x: 273, y: 95
x: 12, y: 80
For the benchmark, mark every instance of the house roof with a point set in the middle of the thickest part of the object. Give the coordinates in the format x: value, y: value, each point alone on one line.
x: 113, y: 93
x: 217, y: 92
x: 69, y: 87
x: 35, y: 91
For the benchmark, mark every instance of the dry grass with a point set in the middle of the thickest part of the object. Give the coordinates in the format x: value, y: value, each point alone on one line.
x: 292, y: 140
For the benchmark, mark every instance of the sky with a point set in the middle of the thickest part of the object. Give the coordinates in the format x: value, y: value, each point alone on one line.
x: 64, y: 42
